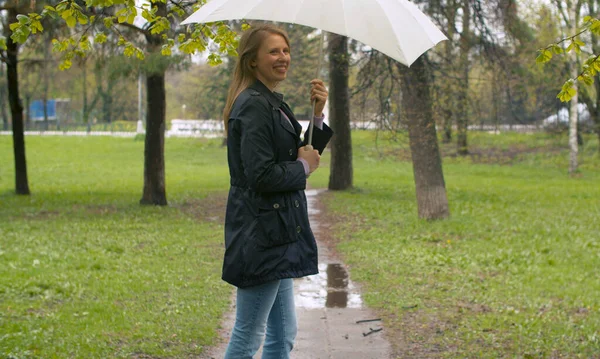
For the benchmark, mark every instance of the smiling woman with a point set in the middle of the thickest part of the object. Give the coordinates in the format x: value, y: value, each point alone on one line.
x: 268, y: 239
x: 272, y: 61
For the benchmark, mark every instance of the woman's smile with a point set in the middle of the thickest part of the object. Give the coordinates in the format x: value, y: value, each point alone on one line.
x: 272, y: 61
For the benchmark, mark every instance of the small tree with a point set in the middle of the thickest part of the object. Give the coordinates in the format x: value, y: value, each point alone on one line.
x: 340, y: 176
x: 10, y: 56
x: 432, y: 201
x: 96, y: 21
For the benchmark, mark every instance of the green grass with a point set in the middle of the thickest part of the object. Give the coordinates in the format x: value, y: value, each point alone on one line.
x: 86, y: 272
x: 514, y: 272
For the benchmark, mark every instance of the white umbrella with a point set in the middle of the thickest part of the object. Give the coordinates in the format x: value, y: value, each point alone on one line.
x: 396, y: 28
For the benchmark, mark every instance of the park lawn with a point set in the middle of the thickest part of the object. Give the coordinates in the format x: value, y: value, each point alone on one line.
x: 86, y: 272
x: 513, y: 273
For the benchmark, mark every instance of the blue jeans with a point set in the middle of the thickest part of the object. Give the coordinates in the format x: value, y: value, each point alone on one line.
x: 270, y: 306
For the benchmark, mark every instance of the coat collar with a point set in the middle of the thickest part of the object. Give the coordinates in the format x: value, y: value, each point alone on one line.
x: 275, y: 99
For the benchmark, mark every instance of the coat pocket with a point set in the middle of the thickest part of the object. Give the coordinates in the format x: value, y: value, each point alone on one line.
x: 274, y: 223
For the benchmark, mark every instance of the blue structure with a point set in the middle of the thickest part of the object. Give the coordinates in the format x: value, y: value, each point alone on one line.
x: 36, y: 110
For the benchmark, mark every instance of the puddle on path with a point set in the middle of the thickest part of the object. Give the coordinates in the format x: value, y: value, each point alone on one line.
x: 311, y: 198
x: 331, y: 288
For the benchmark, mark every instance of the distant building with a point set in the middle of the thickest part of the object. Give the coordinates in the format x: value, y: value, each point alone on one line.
x: 58, y: 111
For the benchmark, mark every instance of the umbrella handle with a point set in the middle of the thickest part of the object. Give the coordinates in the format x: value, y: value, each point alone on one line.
x: 314, y: 103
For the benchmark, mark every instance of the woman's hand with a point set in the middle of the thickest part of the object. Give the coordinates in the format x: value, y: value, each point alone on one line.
x: 319, y: 93
x: 311, y: 156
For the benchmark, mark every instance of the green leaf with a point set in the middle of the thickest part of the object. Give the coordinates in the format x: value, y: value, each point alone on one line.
x: 570, y: 47
x: 585, y: 78
x: 37, y: 26
x: 543, y: 57
x: 122, y: 12
x: 129, y: 50
x: 595, y: 27
x: 23, y: 19
x: 66, y: 14
x: 557, y: 49
x: 147, y: 15
x: 71, y: 21
x: 83, y: 19
x: 108, y: 22
x: 214, y: 60
x: 62, y: 6
x: 100, y: 38
x: 166, y: 50
x: 2, y: 43
x: 65, y: 65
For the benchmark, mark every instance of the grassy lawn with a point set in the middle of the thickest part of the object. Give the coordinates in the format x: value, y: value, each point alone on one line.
x: 86, y: 272
x: 515, y: 271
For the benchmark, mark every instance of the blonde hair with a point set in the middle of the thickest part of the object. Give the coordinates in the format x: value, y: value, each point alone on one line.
x: 244, y: 74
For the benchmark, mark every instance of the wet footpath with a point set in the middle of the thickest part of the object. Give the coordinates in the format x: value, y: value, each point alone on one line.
x: 333, y: 322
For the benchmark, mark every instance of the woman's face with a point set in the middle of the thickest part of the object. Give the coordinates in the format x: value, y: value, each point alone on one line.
x: 272, y: 61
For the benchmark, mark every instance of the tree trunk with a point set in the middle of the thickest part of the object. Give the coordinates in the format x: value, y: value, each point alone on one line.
x: 106, y: 106
x: 45, y: 90
x: 595, y: 103
x: 340, y: 177
x: 85, y: 112
x: 573, y: 113
x: 597, y: 129
x: 28, y: 122
x: 3, y: 96
x: 462, y: 118
x: 16, y: 110
x: 448, y: 104
x: 154, y: 146
x: 154, y: 160
x: 495, y: 98
x: 427, y: 163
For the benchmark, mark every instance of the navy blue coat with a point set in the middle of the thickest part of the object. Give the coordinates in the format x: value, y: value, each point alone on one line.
x: 267, y: 233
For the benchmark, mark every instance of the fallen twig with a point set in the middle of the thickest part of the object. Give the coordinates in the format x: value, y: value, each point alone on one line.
x: 368, y: 320
x: 372, y: 331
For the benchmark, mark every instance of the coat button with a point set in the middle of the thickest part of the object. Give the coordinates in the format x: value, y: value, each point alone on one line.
x: 296, y: 203
x: 291, y: 152
x: 298, y: 229
x: 276, y: 205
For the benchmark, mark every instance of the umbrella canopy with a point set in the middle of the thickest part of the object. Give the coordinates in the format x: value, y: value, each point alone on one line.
x: 396, y: 28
